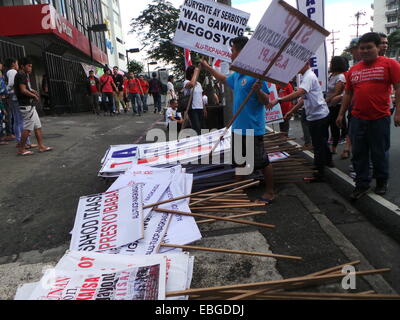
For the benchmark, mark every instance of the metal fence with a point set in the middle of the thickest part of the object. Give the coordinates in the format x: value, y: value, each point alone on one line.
x: 10, y: 49
x: 67, y: 84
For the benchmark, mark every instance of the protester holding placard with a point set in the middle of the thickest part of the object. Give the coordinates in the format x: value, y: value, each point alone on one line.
x: 251, y: 121
x: 317, y: 113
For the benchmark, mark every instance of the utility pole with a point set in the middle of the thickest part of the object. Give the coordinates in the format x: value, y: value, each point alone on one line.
x: 228, y: 95
x: 358, y: 24
x: 333, y: 41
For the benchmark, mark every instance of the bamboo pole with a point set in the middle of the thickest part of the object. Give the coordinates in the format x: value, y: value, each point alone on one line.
x: 227, y: 192
x: 315, y: 274
x: 226, y: 207
x: 197, y: 193
x: 257, y: 254
x: 270, y: 283
x: 198, y: 215
x: 271, y: 64
x: 244, y: 215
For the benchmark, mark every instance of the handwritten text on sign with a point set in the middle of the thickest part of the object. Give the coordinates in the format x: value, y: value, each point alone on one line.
x: 274, y: 30
x: 208, y: 27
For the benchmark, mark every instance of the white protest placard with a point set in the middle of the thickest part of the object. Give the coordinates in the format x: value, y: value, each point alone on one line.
x: 280, y: 24
x: 208, y: 27
x: 179, y: 267
x: 182, y: 230
x: 277, y: 156
x: 315, y: 10
x: 155, y: 228
x: 108, y: 220
x: 145, y: 282
x: 275, y: 115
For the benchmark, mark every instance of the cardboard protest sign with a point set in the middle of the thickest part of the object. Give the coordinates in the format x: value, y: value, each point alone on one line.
x: 179, y: 267
x: 284, y: 34
x: 277, y: 156
x: 155, y: 228
x: 108, y: 220
x: 274, y: 115
x: 208, y: 27
x: 315, y: 10
x: 146, y: 282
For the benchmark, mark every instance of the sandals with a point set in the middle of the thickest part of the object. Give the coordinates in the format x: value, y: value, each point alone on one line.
x: 3, y: 143
x: 265, y: 200
x: 345, y: 154
x: 48, y: 149
x: 31, y: 146
x: 25, y: 153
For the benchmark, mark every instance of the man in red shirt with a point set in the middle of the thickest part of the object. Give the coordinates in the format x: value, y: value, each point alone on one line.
x: 134, y: 91
x: 94, y: 92
x: 368, y: 87
x: 145, y: 87
x: 108, y: 87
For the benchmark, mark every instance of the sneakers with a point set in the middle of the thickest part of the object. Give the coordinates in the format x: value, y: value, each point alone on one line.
x: 381, y: 188
x: 359, y: 192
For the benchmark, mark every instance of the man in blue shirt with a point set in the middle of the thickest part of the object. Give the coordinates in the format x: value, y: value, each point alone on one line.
x: 250, y: 124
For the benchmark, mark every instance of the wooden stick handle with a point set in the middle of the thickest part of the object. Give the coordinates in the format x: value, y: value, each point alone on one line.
x: 257, y: 254
x: 206, y: 216
x: 198, y: 193
x: 244, y: 215
x: 255, y: 183
x: 270, y: 283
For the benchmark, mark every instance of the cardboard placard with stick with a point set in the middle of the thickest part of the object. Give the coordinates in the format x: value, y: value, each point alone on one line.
x: 281, y: 45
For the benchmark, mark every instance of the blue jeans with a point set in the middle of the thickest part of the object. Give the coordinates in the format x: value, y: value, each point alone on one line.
x: 370, y: 138
x: 136, y: 100
x: 144, y: 102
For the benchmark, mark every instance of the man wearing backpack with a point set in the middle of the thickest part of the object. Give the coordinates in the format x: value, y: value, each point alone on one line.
x: 155, y: 90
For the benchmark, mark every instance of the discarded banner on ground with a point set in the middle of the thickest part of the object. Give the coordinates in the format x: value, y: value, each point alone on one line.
x: 108, y: 220
x: 141, y: 282
x: 207, y: 27
x: 280, y: 25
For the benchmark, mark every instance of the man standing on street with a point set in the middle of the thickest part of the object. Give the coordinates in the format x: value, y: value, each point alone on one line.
x: 107, y: 87
x: 25, y: 95
x: 133, y: 90
x: 155, y: 91
x: 119, y: 94
x: 94, y: 92
x: 251, y: 121
x: 369, y: 85
x: 317, y: 114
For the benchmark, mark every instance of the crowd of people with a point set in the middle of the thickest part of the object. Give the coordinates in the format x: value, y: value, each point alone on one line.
x: 115, y: 92
x: 18, y: 115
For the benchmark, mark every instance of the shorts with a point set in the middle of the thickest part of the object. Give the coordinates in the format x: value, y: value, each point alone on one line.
x: 30, y: 118
x: 260, y: 156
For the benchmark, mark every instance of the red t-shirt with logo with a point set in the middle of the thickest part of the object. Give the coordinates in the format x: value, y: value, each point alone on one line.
x: 106, y: 83
x: 371, y: 85
x: 93, y: 85
x: 132, y: 86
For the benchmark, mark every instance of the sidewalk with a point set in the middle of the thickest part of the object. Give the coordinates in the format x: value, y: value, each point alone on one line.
x: 39, y: 196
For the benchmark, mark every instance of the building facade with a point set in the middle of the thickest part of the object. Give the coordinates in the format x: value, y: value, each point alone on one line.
x: 56, y: 36
x: 386, y: 16
x: 115, y: 39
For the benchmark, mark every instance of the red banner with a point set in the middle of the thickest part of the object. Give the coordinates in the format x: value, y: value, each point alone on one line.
x: 44, y: 19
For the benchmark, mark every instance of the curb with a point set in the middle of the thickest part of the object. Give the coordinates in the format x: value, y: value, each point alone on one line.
x: 383, y: 213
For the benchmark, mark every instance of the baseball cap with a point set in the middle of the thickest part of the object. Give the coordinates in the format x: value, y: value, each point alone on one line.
x: 353, y: 44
